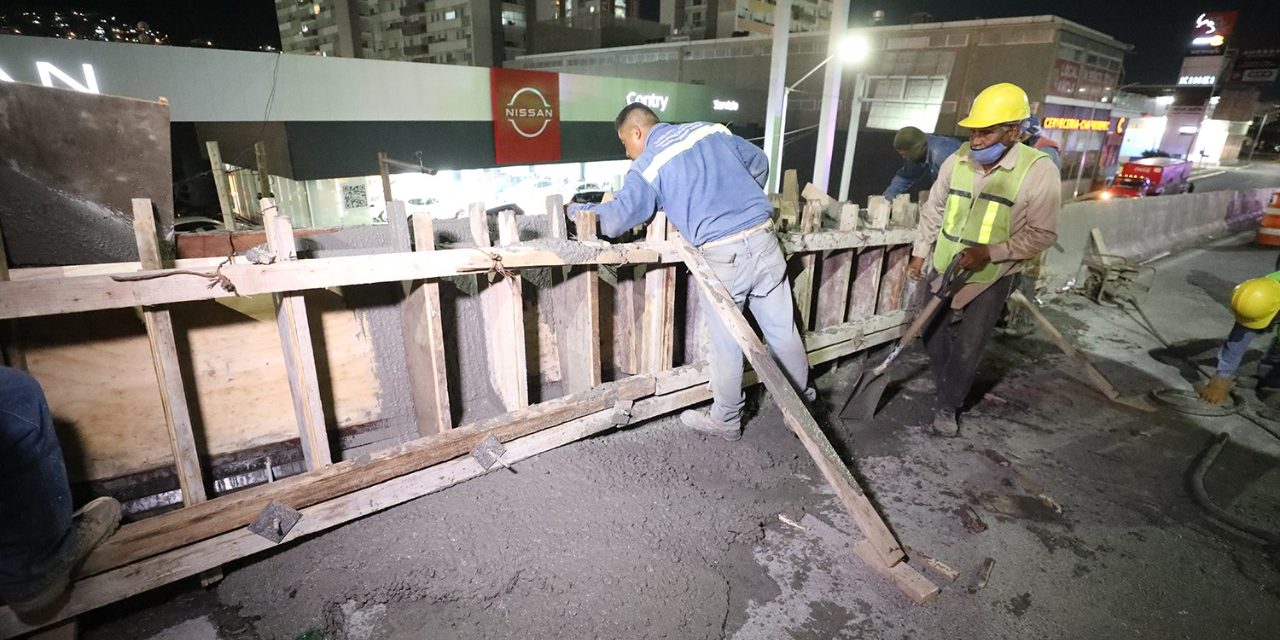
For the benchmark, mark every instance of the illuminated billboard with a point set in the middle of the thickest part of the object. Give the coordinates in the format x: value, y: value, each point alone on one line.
x: 1210, y: 32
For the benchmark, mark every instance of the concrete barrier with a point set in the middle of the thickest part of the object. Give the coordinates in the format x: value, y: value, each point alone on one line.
x: 1145, y: 227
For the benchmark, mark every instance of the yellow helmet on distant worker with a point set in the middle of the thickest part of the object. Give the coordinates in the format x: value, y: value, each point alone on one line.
x: 1255, y: 302
x: 998, y: 104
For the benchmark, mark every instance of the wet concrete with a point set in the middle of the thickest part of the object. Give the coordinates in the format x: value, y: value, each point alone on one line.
x: 654, y: 532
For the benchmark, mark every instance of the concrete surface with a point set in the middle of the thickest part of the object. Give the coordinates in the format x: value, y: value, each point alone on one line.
x: 654, y: 532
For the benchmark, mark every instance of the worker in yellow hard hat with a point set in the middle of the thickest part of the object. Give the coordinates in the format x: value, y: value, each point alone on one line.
x: 1254, y: 303
x: 995, y: 206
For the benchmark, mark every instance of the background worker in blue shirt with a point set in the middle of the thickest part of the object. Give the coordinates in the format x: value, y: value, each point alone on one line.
x: 923, y: 155
x: 709, y: 182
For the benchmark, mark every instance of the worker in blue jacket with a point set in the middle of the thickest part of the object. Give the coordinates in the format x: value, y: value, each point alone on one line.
x: 923, y: 154
x: 709, y: 182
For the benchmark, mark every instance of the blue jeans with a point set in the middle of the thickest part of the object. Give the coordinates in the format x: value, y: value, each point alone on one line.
x: 755, y: 273
x: 35, y: 500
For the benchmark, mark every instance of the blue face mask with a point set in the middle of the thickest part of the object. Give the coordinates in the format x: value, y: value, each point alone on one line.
x: 988, y: 155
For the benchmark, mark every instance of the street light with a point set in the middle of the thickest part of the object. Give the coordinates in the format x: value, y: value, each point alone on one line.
x: 852, y: 48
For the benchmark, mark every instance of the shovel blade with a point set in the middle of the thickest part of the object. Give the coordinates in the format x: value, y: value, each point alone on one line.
x: 866, y: 397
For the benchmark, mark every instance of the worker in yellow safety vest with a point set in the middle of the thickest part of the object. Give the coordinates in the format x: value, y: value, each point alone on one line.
x: 995, y: 205
x: 1254, y: 303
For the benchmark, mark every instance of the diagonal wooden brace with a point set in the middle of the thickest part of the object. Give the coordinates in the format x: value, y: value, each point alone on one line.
x: 879, y: 538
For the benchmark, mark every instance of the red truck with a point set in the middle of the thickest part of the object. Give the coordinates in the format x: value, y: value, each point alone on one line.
x: 1150, y: 177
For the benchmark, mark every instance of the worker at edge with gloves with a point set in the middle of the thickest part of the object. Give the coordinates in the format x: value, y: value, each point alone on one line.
x: 1255, y: 304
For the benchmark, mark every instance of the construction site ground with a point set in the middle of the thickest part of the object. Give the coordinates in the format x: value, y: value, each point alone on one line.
x: 657, y: 532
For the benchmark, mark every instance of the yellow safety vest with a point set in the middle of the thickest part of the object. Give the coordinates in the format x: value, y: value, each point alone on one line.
x: 970, y: 221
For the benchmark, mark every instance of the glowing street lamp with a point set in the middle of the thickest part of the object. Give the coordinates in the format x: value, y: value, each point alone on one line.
x: 851, y: 49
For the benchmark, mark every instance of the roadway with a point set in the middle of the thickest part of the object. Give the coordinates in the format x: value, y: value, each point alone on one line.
x: 1248, y: 175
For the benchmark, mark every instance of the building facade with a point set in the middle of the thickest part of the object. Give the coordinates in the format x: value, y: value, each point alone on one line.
x: 924, y: 75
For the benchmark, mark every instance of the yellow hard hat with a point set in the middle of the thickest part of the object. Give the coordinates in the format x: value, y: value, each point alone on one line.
x: 1255, y: 302
x: 998, y: 104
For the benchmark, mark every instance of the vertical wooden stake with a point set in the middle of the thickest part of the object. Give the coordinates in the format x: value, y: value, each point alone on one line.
x: 164, y: 359
x: 164, y: 355
x: 423, y: 335
x: 578, y: 311
x: 803, y: 292
x: 295, y: 341
x: 837, y: 269
x: 220, y: 183
x: 866, y: 284
x: 895, y: 279
x: 9, y: 340
x: 264, y: 176
x: 657, y: 349
x: 386, y: 179
x: 878, y: 210
x: 555, y: 218
x: 502, y: 302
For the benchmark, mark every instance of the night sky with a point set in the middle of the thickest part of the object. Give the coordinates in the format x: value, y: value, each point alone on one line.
x: 1158, y: 31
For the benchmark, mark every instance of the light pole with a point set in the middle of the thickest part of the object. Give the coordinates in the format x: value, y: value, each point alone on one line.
x: 852, y: 48
x: 855, y: 119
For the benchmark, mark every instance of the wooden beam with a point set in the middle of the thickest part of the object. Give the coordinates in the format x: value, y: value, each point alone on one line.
x: 295, y: 342
x: 578, y: 315
x: 844, y: 239
x: 837, y: 271
x: 423, y: 332
x: 866, y: 284
x: 502, y: 302
x: 164, y: 357
x: 657, y: 349
x: 887, y: 549
x: 167, y: 531
x: 910, y: 581
x: 878, y: 212
x: 33, y: 297
x: 220, y: 184
x: 118, y: 584
x: 628, y: 320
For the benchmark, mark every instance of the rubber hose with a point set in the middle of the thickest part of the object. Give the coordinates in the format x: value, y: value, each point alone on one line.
x: 1207, y: 459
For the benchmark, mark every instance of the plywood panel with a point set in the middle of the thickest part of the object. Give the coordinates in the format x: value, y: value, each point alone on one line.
x: 96, y: 370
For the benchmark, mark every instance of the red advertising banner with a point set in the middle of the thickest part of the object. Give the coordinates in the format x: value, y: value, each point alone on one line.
x: 526, y: 115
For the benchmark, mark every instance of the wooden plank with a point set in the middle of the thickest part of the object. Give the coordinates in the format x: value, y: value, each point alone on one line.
x: 578, y: 318
x: 171, y: 530
x: 295, y: 342
x: 33, y: 297
x: 96, y: 591
x: 844, y: 239
x: 802, y: 290
x: 790, y: 199
x: 657, y: 350
x: 910, y: 581
x: 900, y: 210
x: 220, y: 184
x: 837, y: 271
x: 848, y: 492
x: 866, y: 283
x: 164, y: 358
x: 424, y: 337
x: 895, y: 279
x: 502, y: 302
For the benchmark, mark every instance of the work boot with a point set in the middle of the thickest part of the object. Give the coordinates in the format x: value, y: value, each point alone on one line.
x: 945, y: 423
x: 702, y: 423
x: 90, y: 527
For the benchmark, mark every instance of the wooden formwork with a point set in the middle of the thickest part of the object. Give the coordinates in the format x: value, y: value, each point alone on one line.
x: 850, y: 290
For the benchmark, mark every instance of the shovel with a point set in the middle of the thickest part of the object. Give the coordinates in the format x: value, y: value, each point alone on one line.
x: 870, y: 385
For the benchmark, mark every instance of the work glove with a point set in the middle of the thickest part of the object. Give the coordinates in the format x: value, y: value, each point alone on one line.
x: 1217, y: 391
